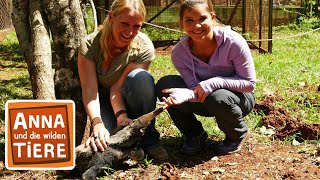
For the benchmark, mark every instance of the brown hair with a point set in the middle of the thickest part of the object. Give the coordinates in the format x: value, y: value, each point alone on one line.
x: 189, y: 4
x: 117, y: 7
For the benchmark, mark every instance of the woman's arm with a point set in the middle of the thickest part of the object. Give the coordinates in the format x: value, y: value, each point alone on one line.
x: 89, y: 85
x: 182, y: 61
x: 116, y: 95
x: 90, y: 97
x: 245, y: 78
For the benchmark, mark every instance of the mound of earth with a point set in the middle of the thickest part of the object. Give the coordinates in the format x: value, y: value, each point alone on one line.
x: 284, y: 123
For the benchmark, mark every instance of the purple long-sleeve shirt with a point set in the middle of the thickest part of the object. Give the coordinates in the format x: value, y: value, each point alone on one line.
x: 230, y: 67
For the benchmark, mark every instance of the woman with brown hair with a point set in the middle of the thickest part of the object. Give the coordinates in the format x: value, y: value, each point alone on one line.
x: 217, y: 79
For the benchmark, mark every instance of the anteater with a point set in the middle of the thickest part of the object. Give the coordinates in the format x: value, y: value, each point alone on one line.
x: 121, y: 146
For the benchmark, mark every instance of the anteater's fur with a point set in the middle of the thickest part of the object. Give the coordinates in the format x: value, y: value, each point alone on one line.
x: 120, y: 146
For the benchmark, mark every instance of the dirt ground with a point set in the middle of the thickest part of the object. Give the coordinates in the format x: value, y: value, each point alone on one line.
x: 260, y: 158
x: 264, y: 155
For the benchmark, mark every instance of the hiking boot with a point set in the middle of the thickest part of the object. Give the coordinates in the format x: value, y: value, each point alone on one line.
x: 229, y: 147
x: 193, y: 144
x: 158, y: 153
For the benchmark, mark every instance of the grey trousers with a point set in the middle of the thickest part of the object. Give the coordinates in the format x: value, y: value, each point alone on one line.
x: 138, y: 93
x: 228, y: 107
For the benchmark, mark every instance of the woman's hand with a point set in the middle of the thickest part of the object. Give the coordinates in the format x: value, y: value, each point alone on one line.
x: 200, y: 94
x: 167, y: 102
x: 123, y: 120
x: 177, y: 96
x: 99, y: 138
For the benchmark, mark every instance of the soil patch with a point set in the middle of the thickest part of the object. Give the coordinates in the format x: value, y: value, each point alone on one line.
x: 255, y: 161
x: 283, y: 122
x: 164, y: 50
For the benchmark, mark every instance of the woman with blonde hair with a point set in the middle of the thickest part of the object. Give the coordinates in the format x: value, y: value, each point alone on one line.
x: 116, y: 86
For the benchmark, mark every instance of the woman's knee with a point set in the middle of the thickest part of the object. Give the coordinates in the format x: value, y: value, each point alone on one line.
x: 222, y: 96
x: 140, y: 82
x: 170, y: 81
x: 222, y: 102
x: 140, y: 76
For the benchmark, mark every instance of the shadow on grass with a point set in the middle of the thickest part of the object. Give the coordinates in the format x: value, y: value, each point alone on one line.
x: 18, y: 83
x: 8, y: 56
x: 2, y: 145
x: 11, y: 51
x: 13, y: 54
x: 178, y: 159
x: 12, y: 93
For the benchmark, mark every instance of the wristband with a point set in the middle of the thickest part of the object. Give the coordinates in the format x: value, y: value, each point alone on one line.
x: 96, y: 121
x: 120, y: 112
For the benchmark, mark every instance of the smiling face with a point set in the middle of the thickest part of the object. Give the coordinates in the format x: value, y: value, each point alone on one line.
x: 198, y: 22
x: 125, y: 26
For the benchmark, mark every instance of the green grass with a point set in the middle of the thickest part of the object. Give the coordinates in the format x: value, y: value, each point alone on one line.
x: 157, y: 34
x: 14, y: 77
x: 292, y: 71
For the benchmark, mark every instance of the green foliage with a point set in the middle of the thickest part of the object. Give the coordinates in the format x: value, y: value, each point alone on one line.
x: 311, y: 8
x: 146, y: 161
x: 108, y: 171
x: 157, y: 34
x: 89, y: 20
x: 10, y: 44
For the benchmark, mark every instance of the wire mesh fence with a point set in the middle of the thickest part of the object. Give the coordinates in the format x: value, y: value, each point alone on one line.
x: 5, y: 14
x: 252, y: 18
x: 258, y: 23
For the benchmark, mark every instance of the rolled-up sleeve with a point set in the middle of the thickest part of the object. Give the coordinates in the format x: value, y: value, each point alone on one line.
x: 146, y: 49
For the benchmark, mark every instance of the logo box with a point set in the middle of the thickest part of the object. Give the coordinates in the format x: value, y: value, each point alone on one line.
x: 39, y: 135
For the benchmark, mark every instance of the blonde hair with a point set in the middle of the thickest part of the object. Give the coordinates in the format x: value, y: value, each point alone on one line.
x: 117, y: 7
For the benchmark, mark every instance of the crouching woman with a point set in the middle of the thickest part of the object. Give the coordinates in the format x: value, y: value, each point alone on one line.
x: 116, y: 86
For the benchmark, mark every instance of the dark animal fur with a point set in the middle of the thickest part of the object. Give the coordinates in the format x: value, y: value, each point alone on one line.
x: 121, y: 144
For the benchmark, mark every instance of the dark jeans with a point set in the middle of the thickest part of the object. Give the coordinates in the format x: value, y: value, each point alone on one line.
x: 228, y: 107
x: 138, y: 93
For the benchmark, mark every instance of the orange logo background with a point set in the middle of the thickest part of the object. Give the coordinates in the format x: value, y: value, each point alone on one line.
x: 40, y: 134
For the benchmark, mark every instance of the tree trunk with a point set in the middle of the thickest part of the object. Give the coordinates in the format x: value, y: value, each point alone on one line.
x: 66, y: 23
x: 32, y: 38
x: 20, y: 20
x: 42, y: 76
x: 67, y: 27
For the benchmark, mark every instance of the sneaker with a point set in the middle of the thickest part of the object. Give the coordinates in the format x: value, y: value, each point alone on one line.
x: 193, y: 144
x: 158, y: 153
x: 229, y: 147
